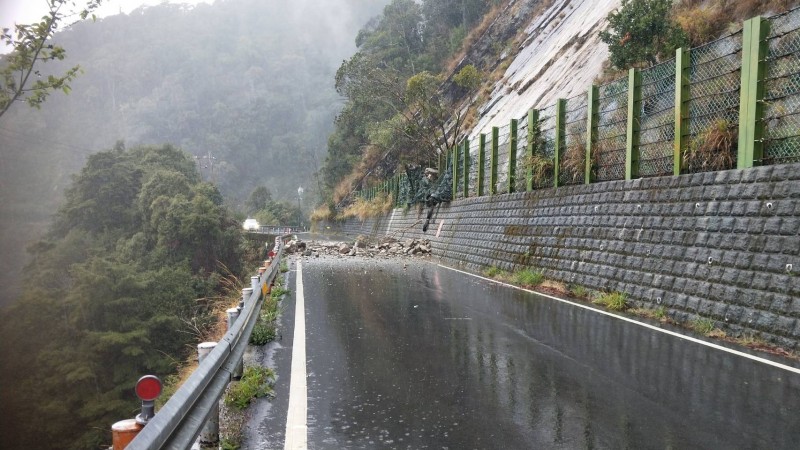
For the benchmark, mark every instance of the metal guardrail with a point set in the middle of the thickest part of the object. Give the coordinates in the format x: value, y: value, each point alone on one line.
x: 178, y: 423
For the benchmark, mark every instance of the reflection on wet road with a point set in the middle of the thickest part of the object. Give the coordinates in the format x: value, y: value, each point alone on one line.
x: 424, y: 357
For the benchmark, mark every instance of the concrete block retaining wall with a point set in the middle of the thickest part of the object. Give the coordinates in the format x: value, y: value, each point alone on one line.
x: 721, y: 245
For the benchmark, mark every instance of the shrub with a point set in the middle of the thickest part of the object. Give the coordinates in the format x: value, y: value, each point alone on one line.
x: 641, y: 31
x: 468, y: 77
x: 256, y: 382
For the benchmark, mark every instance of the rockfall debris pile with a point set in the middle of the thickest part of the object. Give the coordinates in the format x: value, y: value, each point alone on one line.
x: 387, y: 247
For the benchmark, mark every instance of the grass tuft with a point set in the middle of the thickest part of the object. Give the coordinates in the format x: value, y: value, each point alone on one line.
x: 527, y: 277
x: 615, y: 301
x: 256, y: 382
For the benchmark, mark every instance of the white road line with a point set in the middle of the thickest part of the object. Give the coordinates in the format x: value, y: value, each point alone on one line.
x: 646, y: 325
x: 296, y: 418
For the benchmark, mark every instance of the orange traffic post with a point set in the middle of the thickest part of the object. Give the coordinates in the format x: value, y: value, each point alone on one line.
x: 123, y: 432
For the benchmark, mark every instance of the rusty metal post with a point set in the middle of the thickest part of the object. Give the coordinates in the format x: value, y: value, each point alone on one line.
x: 123, y: 432
x: 209, y: 436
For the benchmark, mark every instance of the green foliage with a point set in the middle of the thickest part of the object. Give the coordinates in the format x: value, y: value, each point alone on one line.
x: 642, y: 31
x: 132, y: 266
x: 284, y: 267
x: 395, y: 111
x: 615, y: 301
x: 492, y: 272
x: 263, y: 333
x: 256, y: 382
x: 31, y: 46
x: 702, y: 325
x: 468, y: 77
x: 579, y: 291
x: 528, y: 277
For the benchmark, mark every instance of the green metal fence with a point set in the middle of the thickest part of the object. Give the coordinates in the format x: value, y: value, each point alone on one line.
x: 657, y: 120
x: 781, y: 118
x: 736, y: 98
x: 573, y: 157
x: 608, y: 155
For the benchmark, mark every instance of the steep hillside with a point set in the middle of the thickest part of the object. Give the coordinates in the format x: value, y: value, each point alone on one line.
x: 560, y: 55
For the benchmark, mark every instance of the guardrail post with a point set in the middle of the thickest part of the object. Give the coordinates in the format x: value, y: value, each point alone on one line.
x: 682, y: 66
x: 634, y: 113
x: 233, y: 315
x: 481, y: 162
x: 751, y: 106
x: 560, y: 141
x: 512, y: 157
x: 465, y: 144
x: 254, y: 282
x: 533, y: 127
x: 209, y: 435
x: 493, y: 159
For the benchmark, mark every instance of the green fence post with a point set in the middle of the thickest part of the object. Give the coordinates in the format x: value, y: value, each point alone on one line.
x: 493, y: 173
x: 466, y: 167
x: 455, y: 172
x: 751, y: 107
x: 634, y: 124
x: 512, y: 157
x: 592, y: 108
x: 481, y: 162
x: 682, y: 65
x: 396, y: 190
x: 533, y: 127
x: 559, y: 147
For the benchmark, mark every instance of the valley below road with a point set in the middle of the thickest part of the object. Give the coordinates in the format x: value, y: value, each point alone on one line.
x: 404, y: 353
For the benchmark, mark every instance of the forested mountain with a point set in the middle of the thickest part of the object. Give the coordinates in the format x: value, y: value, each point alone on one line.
x: 246, y: 86
x: 123, y: 284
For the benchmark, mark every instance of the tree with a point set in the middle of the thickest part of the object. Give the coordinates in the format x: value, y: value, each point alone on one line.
x: 259, y: 199
x: 30, y: 46
x: 641, y: 31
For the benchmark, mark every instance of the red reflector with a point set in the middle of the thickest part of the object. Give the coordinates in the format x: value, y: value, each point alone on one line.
x: 271, y: 254
x: 148, y: 387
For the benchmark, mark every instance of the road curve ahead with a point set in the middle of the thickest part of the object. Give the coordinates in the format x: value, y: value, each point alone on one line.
x: 426, y: 357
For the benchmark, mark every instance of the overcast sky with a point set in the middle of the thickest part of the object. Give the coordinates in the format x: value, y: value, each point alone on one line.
x: 28, y: 11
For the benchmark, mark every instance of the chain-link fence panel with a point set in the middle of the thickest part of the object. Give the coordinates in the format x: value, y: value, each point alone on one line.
x: 713, y: 104
x: 657, y: 120
x: 503, y: 139
x: 544, y: 149
x: 608, y: 154
x: 572, y: 167
x: 782, y: 90
x: 521, y: 182
x: 459, y: 172
x: 474, y: 164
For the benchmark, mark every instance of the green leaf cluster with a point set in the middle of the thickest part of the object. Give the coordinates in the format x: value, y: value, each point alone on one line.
x: 642, y: 32
x: 31, y: 45
x: 122, y: 285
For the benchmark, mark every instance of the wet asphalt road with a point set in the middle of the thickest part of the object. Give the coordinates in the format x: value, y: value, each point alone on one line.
x: 426, y: 357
